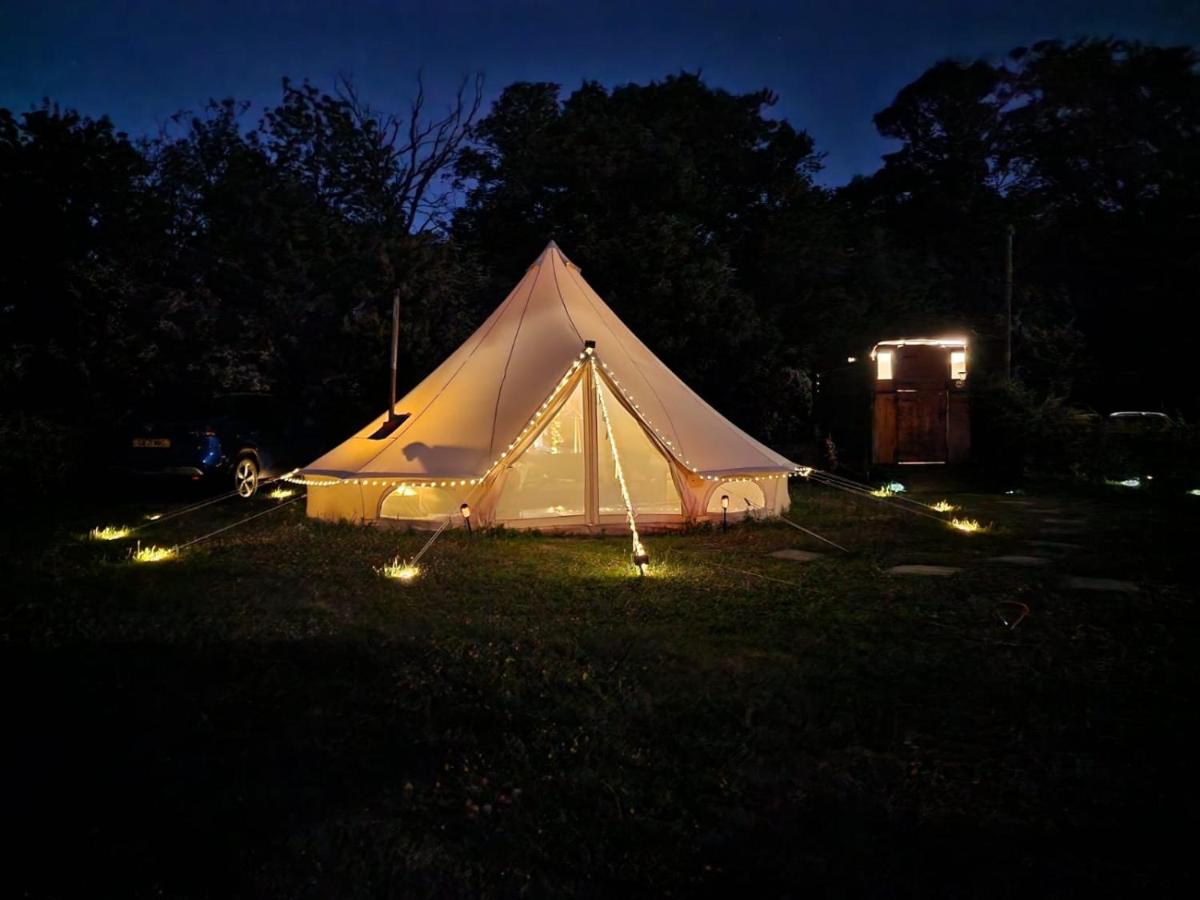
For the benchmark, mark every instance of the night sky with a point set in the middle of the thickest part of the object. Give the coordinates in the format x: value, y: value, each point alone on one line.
x: 832, y: 64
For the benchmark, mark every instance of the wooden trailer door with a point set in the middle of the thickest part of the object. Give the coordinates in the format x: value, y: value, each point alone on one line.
x: 921, y: 426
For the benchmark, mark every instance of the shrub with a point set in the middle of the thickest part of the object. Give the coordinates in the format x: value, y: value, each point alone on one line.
x: 37, y: 455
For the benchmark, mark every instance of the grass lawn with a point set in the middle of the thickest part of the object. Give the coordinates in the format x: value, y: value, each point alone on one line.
x: 266, y: 716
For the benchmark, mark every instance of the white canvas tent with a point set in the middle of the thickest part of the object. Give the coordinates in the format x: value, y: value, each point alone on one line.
x: 520, y: 422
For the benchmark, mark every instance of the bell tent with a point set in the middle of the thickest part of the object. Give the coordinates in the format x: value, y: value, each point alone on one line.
x: 552, y: 415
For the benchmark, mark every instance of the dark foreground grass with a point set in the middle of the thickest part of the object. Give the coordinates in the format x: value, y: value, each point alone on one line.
x: 268, y: 717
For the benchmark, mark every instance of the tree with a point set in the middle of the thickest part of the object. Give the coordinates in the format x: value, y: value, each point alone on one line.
x: 1090, y: 150
x: 1103, y: 138
x: 79, y: 228
x: 292, y: 236
x: 941, y: 194
x: 222, y: 255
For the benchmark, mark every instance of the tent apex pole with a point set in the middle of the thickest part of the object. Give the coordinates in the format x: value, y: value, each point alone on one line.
x: 395, y: 353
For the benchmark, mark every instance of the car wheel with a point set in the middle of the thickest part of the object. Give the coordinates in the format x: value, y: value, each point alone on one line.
x: 245, y: 478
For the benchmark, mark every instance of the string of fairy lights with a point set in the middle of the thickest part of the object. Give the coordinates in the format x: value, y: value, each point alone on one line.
x: 295, y: 476
x: 640, y: 557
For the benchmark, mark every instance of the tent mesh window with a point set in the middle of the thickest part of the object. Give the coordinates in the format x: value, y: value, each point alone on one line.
x: 547, y: 480
x: 647, y: 473
x: 739, y: 492
x: 410, y: 501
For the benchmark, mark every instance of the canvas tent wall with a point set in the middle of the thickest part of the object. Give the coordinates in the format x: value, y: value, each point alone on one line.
x: 521, y: 421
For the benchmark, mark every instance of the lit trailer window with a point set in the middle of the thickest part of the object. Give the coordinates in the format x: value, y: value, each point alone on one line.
x: 883, y: 363
x: 958, y: 365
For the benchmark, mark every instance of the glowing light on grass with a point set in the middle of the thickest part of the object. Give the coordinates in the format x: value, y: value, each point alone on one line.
x: 1195, y: 492
x: 281, y: 493
x: 881, y: 492
x: 153, y: 517
x: 399, y: 570
x: 1127, y: 482
x: 152, y: 553
x: 943, y: 506
x: 895, y: 487
x: 969, y: 526
x: 108, y: 533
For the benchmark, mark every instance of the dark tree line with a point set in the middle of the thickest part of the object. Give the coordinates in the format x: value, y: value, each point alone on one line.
x: 229, y: 253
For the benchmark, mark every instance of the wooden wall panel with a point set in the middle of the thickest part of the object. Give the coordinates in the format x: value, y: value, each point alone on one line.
x: 885, y: 429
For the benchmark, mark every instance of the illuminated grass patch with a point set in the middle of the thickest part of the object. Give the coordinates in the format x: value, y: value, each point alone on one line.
x: 944, y: 506
x: 399, y: 570
x: 108, y: 533
x: 281, y: 493
x: 152, y: 553
x: 970, y: 526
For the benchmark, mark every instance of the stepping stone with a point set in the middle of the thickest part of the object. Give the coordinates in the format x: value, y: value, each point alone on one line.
x: 1046, y: 510
x: 1020, y: 560
x: 1064, y: 532
x: 1077, y: 523
x: 1055, y: 545
x: 796, y: 555
x: 1081, y: 583
x: 924, y: 570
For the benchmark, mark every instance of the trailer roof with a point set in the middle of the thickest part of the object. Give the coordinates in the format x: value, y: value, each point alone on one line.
x: 927, y: 342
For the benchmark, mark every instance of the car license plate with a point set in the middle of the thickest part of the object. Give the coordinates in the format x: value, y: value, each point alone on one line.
x: 152, y: 442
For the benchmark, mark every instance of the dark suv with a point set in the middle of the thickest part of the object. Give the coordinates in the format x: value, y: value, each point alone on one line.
x: 239, y: 438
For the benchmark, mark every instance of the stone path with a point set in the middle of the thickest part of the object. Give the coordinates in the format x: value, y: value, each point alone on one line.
x: 796, y: 555
x: 1055, y: 545
x: 1049, y: 521
x: 924, y: 570
x: 1015, y: 560
x: 1114, y: 585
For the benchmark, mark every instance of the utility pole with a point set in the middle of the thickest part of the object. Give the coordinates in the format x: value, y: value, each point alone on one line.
x: 1008, y: 288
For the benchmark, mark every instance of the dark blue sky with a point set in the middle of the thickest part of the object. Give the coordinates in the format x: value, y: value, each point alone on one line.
x: 832, y: 64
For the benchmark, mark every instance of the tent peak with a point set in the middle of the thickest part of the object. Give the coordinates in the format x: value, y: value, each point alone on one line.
x: 553, y: 246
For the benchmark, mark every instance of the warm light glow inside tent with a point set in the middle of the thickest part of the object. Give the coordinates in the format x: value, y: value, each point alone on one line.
x: 548, y: 479
x: 422, y: 502
x: 743, y: 495
x: 647, y: 472
x: 511, y: 423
